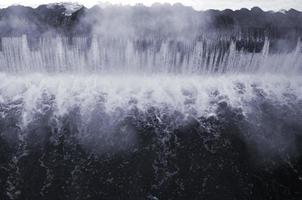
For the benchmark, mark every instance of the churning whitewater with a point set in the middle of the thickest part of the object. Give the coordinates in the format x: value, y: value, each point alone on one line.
x: 193, y: 96
x: 121, y: 129
x: 155, y: 103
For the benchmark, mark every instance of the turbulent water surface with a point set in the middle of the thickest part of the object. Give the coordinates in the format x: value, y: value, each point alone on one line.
x: 160, y: 136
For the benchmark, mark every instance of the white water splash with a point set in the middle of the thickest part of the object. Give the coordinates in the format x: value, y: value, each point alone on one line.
x: 192, y: 95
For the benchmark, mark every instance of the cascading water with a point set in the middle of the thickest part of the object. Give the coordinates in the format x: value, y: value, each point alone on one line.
x: 143, y: 56
x: 148, y: 118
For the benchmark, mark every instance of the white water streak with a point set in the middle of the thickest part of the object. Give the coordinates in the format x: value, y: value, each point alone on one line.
x: 57, y: 55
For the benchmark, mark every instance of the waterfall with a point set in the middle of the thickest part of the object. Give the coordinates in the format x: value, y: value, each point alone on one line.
x: 81, y: 54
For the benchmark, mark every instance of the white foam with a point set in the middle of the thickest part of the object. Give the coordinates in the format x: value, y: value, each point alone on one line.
x: 191, y: 95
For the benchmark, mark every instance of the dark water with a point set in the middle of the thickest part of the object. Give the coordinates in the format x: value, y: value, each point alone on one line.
x: 159, y: 151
